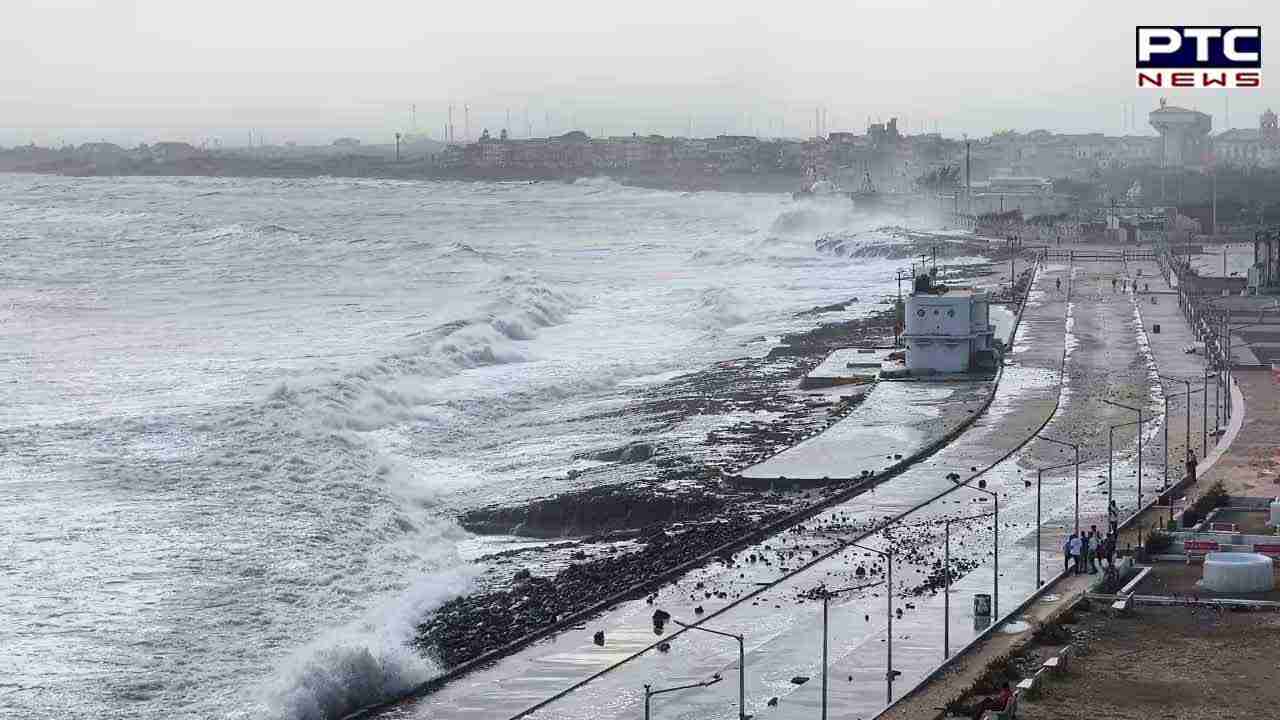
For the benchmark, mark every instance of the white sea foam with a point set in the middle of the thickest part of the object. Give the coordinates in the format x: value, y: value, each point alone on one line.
x: 366, y: 662
x: 262, y: 402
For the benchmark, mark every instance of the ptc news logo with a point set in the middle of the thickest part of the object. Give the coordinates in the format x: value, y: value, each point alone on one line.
x: 1199, y: 56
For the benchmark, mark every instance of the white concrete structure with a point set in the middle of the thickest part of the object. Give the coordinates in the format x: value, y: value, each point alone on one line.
x: 1238, y: 572
x: 845, y: 366
x: 947, y: 329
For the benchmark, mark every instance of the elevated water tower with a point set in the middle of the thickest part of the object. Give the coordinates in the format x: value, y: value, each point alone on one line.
x: 1184, y: 134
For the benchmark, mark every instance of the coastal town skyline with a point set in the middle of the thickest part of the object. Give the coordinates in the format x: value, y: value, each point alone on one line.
x: 1130, y: 121
x: 295, y: 73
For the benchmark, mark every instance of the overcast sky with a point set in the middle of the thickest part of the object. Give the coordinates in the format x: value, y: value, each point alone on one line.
x: 308, y: 70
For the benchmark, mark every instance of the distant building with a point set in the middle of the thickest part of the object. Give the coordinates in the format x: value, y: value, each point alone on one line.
x: 1011, y: 185
x: 1264, y: 275
x: 1246, y: 147
x: 172, y: 151
x: 882, y: 134
x: 1184, y: 134
x: 948, y: 330
x: 102, y: 149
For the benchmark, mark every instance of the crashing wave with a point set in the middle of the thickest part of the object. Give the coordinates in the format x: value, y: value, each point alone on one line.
x: 719, y: 307
x: 384, y: 392
x: 367, y: 662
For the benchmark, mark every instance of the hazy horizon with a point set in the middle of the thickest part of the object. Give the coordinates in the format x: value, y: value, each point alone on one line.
x: 130, y: 71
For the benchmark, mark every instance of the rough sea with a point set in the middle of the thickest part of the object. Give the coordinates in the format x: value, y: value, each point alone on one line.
x: 239, y: 416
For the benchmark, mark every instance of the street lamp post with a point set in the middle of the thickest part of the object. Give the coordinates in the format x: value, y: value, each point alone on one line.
x: 946, y: 593
x: 1075, y: 447
x: 946, y: 584
x: 995, y: 579
x: 1165, y: 397
x: 1188, y: 393
x: 826, y: 600
x: 1039, y: 479
x: 649, y: 692
x: 1217, y: 404
x: 889, y: 673
x: 1204, y: 413
x: 1224, y: 351
x: 1110, y: 445
x: 1111, y: 438
x: 742, y: 663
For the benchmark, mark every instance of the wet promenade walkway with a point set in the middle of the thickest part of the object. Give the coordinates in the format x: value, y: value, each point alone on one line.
x: 1163, y: 353
x: 1098, y: 334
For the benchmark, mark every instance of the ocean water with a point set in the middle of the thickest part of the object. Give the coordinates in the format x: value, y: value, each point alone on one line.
x: 240, y: 415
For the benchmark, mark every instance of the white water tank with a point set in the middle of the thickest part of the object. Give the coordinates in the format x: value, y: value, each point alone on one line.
x: 1275, y: 512
x: 1238, y: 572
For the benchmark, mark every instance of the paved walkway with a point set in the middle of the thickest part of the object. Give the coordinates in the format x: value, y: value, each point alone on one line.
x: 1098, y: 330
x: 1097, y: 334
x: 1168, y: 347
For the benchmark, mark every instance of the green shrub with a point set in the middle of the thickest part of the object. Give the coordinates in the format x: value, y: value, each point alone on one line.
x: 1213, y: 497
x: 997, y: 673
x: 1051, y: 633
x: 1157, y: 542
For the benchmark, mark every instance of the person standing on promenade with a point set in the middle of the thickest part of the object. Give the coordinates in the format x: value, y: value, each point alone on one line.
x: 1095, y: 542
x: 1085, y: 551
x: 1076, y: 547
x: 1113, y: 516
x: 1068, y: 552
x: 1191, y: 465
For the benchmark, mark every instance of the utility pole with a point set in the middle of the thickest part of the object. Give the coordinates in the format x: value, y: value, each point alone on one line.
x: 899, y: 312
x: 968, y: 177
x: 1213, y: 219
x: 466, y: 123
x: 397, y: 147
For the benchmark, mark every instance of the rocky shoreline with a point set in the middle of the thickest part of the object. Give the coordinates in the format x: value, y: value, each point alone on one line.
x: 683, y: 510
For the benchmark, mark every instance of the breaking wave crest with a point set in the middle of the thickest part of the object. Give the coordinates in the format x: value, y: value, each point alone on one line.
x: 367, y: 662
x: 389, y: 390
x: 719, y: 307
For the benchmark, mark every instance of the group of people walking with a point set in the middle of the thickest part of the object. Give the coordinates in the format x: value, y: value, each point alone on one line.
x: 1084, y: 551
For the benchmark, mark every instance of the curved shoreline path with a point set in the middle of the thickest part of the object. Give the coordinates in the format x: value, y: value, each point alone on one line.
x: 1097, y: 336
